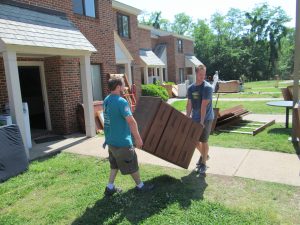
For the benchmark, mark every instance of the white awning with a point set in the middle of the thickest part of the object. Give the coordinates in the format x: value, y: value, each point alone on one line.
x: 26, y: 27
x: 150, y: 59
x: 191, y: 61
x: 121, y: 52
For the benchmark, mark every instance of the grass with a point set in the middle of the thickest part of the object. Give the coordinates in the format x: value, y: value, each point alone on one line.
x: 267, y: 83
x: 259, y: 107
x: 273, y: 138
x: 68, y: 189
x: 250, y: 95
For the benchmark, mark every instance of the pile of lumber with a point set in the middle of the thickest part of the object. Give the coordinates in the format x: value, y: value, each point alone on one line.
x: 231, y: 115
x: 232, y: 86
x: 166, y: 132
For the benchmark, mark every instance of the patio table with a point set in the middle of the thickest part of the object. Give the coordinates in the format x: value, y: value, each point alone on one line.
x: 287, y: 104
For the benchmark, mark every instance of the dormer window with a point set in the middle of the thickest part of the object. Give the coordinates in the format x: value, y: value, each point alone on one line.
x: 123, y: 25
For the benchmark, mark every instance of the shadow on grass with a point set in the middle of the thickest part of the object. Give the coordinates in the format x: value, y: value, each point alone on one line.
x: 285, y: 131
x: 136, y: 207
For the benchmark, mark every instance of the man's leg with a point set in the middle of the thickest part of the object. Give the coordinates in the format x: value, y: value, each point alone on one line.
x: 205, y: 149
x: 136, y: 177
x: 112, y: 176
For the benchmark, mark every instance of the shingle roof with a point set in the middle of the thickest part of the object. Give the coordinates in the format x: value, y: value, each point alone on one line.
x: 149, y: 58
x: 20, y: 26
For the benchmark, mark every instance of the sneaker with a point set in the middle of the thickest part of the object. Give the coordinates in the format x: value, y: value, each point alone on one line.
x: 202, y: 168
x: 145, y: 188
x: 110, y: 192
x: 200, y: 161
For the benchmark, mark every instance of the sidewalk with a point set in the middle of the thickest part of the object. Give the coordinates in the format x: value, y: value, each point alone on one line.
x: 255, y: 164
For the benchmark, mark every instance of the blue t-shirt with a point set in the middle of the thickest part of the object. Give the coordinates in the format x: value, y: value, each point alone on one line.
x: 197, y: 93
x: 116, y: 129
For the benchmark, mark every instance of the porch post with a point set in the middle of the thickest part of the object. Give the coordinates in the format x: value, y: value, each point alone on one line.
x: 14, y: 93
x: 155, y: 73
x: 86, y: 85
x: 296, y: 73
x: 161, y: 75
x: 146, y: 75
x: 128, y: 71
x: 194, y: 73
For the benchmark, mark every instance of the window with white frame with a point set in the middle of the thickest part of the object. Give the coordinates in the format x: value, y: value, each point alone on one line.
x: 84, y: 7
x: 123, y: 25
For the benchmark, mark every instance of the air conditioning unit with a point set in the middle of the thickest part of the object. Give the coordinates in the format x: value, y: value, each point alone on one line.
x: 5, y: 120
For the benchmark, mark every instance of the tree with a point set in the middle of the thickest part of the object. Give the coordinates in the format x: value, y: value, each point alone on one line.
x: 183, y: 24
x: 154, y: 19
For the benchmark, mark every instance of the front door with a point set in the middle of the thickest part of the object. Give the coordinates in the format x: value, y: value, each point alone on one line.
x: 31, y: 90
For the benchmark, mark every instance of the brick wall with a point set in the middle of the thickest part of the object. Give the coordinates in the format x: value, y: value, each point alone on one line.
x: 132, y: 44
x: 99, y: 31
x: 144, y: 38
x: 3, y: 89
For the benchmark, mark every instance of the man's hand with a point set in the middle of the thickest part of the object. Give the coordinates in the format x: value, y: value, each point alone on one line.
x: 139, y: 143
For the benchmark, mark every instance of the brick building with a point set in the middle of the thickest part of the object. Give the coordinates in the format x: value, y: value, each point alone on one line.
x: 175, y: 51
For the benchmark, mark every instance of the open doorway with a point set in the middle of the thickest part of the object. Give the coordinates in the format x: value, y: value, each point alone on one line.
x: 31, y: 91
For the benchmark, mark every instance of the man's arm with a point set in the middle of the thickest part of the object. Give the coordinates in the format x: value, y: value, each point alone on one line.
x: 203, y: 110
x: 188, y: 108
x: 134, y: 130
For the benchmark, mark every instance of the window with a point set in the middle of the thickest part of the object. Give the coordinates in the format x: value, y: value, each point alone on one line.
x: 123, y: 25
x: 84, y: 7
x: 181, y: 75
x: 180, y: 45
x: 96, y: 82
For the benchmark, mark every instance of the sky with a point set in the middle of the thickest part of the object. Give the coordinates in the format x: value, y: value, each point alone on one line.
x: 200, y: 9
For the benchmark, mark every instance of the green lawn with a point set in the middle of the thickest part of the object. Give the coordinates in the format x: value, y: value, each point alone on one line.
x: 273, y: 138
x: 249, y: 95
x: 258, y: 107
x: 68, y: 189
x: 266, y: 83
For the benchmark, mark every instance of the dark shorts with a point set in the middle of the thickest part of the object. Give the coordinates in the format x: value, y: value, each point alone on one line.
x: 124, y: 159
x: 206, y: 131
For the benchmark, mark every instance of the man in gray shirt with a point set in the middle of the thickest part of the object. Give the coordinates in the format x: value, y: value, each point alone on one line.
x: 199, y: 104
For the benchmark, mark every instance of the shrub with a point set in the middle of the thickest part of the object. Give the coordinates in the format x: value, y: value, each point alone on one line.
x: 155, y: 90
x: 169, y: 83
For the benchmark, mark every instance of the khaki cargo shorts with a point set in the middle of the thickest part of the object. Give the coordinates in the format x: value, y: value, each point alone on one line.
x: 206, y: 131
x: 124, y: 159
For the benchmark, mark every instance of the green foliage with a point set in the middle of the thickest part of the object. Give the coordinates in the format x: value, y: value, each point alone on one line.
x: 155, y: 90
x: 1, y: 123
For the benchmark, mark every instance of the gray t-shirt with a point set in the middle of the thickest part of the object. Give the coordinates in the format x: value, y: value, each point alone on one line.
x: 197, y: 93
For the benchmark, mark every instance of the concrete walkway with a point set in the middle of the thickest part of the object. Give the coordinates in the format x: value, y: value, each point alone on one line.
x: 255, y: 164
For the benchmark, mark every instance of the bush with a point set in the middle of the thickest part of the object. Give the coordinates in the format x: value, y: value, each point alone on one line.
x: 155, y: 90
x: 169, y: 83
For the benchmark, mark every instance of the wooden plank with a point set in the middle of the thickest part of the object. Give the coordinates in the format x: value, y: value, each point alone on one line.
x: 191, y: 141
x: 233, y: 121
x: 157, y: 128
x: 235, y: 131
x: 227, y: 111
x: 145, y: 112
x: 242, y: 127
x: 179, y: 139
x: 175, y: 90
x: 263, y: 127
x: 167, y: 139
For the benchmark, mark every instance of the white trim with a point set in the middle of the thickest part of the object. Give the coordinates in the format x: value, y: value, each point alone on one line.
x: 46, y: 51
x: 14, y: 94
x: 126, y: 8
x: 2, y: 46
x: 44, y: 88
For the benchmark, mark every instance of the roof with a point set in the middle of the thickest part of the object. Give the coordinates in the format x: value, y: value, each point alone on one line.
x: 159, y: 32
x: 192, y: 60
x: 125, y: 8
x: 27, y: 27
x: 159, y: 49
x: 149, y: 58
x: 121, y: 52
